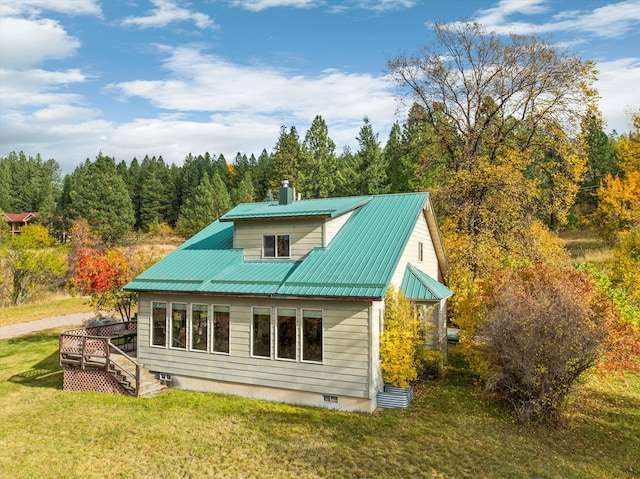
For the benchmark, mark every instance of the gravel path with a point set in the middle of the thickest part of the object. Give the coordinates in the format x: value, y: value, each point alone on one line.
x: 20, y: 329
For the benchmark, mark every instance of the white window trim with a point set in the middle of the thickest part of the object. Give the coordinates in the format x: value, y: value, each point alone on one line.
x: 212, y: 337
x: 190, y: 327
x: 275, y: 235
x: 271, y: 335
x: 187, y: 321
x: 302, y: 360
x: 166, y: 320
x: 297, y: 331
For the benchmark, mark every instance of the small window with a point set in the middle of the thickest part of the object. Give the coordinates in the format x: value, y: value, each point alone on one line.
x: 199, y: 326
x: 276, y: 246
x: 286, y: 334
x: 179, y: 325
x: 221, y: 329
x: 312, y: 335
x: 261, y: 331
x: 420, y: 252
x: 159, y: 324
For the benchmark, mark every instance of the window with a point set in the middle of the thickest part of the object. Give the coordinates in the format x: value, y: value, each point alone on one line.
x: 199, y: 326
x: 312, y: 335
x: 221, y: 329
x: 179, y: 325
x: 420, y: 252
x: 286, y: 334
x: 276, y: 246
x: 261, y: 332
x: 159, y: 324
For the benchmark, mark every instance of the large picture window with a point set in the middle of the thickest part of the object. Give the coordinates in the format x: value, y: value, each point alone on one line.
x: 261, y: 332
x: 312, y: 335
x: 221, y: 329
x: 276, y: 246
x: 286, y: 334
x: 199, y: 326
x: 179, y: 325
x: 159, y: 324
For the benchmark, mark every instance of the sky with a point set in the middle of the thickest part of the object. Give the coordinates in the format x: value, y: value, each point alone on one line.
x: 130, y: 78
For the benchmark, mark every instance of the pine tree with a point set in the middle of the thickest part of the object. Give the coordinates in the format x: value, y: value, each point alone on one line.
x: 373, y: 169
x: 285, y: 160
x: 317, y: 177
x: 98, y: 194
x: 209, y: 202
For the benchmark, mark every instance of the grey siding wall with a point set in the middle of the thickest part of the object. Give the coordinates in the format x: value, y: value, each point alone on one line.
x: 305, y: 235
x: 429, y: 263
x: 346, y: 367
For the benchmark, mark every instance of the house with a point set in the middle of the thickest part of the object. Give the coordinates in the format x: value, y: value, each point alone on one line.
x: 18, y: 220
x: 284, y: 300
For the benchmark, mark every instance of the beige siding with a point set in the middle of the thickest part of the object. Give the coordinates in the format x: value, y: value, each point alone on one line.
x: 429, y: 264
x: 333, y: 225
x: 305, y: 235
x: 345, y: 370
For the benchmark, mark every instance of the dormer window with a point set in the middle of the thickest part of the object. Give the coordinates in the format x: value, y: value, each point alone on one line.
x: 276, y: 246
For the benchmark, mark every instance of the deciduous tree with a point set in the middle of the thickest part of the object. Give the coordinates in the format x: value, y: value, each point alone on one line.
x: 31, y: 263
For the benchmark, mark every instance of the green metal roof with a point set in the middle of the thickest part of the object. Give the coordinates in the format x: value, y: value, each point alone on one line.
x: 325, y: 207
x: 358, y: 263
x: 418, y: 285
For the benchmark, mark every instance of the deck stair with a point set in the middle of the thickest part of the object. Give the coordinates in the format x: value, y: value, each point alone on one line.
x: 124, y: 372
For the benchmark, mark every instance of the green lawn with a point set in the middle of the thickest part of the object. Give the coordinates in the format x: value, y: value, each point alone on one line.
x: 448, y: 432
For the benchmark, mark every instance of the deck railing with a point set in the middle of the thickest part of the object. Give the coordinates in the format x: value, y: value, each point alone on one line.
x: 94, y: 348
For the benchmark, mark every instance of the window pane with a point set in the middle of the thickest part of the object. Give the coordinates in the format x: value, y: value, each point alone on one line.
x: 221, y: 329
x: 179, y: 325
x: 199, y: 326
x: 312, y: 336
x: 262, y: 332
x: 286, y: 330
x: 159, y: 324
x: 269, y: 246
x: 283, y: 246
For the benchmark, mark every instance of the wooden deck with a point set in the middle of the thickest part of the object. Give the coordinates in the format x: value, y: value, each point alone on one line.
x: 102, y: 358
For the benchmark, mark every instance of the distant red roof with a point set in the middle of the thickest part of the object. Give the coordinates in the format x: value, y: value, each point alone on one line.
x: 20, y: 217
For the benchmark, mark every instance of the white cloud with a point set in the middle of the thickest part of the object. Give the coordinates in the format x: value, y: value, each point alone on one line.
x: 609, y: 21
x: 618, y: 86
x: 57, y: 113
x: 34, y: 7
x: 24, y: 43
x: 260, y: 5
x: 37, y: 87
x: 166, y: 12
x: 200, y: 82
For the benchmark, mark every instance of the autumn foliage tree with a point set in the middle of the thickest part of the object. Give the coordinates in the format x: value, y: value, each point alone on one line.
x: 401, y: 339
x: 101, y: 275
x: 542, y: 328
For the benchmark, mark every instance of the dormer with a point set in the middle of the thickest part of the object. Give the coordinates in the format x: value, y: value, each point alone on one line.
x: 288, y: 229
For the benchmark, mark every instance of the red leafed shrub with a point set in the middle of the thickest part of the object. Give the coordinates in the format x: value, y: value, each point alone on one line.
x: 101, y: 275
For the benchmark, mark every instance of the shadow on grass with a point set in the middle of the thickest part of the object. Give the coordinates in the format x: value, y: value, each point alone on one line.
x: 47, y: 335
x: 45, y: 374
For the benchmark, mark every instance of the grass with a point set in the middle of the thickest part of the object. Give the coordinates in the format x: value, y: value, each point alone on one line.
x: 449, y: 431
x: 54, y: 305
x: 586, y: 246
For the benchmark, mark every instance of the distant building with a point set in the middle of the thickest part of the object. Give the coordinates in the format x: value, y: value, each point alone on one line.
x: 18, y: 220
